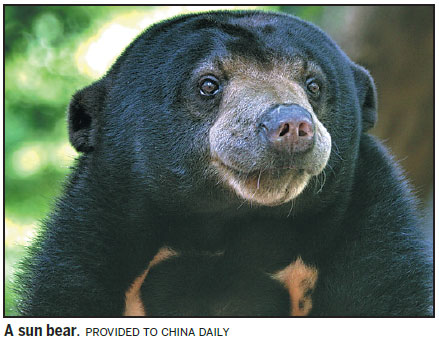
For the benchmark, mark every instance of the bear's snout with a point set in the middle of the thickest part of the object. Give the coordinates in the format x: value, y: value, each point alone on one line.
x: 288, y: 128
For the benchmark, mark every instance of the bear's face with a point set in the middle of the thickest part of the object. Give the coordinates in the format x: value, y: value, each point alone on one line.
x: 242, y: 103
x: 267, y: 141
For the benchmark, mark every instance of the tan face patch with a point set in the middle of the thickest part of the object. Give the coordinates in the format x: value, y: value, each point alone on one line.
x: 300, y: 280
x: 133, y: 303
x: 234, y: 143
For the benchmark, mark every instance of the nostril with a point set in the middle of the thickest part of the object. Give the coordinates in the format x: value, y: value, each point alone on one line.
x: 284, y: 130
x: 305, y: 130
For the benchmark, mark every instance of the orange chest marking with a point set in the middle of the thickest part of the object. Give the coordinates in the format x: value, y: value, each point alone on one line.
x: 300, y: 280
x: 133, y: 302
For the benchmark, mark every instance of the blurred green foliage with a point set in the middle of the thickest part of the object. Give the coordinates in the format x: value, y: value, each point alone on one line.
x: 42, y: 71
x: 40, y: 77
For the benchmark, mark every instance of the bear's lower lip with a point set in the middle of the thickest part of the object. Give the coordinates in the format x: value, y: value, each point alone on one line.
x: 266, y: 170
x: 271, y: 186
x: 255, y: 179
x: 272, y: 171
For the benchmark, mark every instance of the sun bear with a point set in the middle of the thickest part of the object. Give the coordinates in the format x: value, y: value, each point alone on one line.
x: 237, y: 139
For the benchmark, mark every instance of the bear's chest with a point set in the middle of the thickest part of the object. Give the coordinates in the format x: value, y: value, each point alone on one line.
x: 261, y: 243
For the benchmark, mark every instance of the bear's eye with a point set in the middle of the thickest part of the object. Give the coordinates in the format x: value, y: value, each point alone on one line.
x: 313, y: 86
x: 209, y: 85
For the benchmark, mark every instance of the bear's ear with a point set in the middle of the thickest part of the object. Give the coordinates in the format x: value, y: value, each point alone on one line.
x: 84, y: 110
x: 367, y: 96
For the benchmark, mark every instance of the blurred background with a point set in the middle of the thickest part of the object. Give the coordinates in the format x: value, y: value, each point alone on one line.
x: 52, y: 51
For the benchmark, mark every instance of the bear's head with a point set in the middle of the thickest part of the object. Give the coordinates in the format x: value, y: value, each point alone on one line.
x: 226, y: 107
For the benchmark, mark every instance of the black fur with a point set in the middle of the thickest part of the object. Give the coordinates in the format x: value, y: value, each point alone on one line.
x: 141, y: 183
x: 195, y: 284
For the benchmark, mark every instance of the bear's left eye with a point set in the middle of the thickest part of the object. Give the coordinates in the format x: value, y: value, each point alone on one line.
x: 313, y: 86
x: 209, y: 85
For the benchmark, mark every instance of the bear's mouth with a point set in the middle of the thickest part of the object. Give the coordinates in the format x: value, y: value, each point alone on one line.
x: 270, y: 186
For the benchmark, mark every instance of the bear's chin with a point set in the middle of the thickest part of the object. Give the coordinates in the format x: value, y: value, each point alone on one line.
x: 269, y: 187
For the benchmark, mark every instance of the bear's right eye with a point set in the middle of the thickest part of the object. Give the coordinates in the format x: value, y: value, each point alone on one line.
x: 209, y: 85
x: 313, y: 86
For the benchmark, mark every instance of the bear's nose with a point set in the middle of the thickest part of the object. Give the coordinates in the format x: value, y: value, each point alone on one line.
x: 288, y: 128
